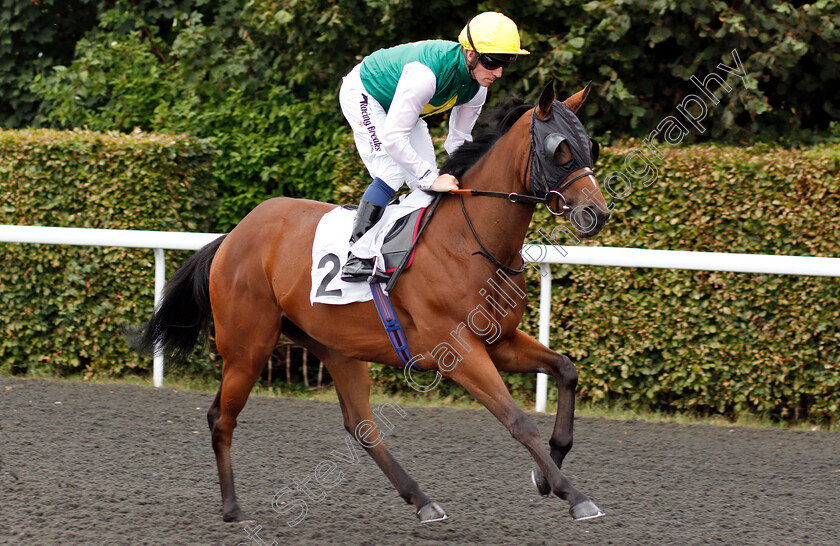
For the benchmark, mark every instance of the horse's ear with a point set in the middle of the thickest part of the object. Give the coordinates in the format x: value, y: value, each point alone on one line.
x: 547, y: 97
x: 577, y: 99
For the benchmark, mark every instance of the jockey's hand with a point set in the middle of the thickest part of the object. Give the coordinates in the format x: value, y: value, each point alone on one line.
x: 444, y: 182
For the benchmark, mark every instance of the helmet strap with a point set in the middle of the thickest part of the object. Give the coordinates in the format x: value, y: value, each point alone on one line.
x: 472, y: 64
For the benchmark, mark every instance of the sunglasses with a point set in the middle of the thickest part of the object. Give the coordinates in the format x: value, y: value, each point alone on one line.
x: 492, y: 63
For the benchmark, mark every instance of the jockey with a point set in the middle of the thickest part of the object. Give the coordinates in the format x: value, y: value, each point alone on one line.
x: 385, y: 97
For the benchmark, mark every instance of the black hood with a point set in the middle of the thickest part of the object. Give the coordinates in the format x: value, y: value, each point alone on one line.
x: 561, y: 125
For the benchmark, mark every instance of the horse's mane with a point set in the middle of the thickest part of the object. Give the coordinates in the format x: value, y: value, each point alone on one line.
x: 498, y: 122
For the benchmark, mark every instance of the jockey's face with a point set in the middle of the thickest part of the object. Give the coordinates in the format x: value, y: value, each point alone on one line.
x: 481, y: 74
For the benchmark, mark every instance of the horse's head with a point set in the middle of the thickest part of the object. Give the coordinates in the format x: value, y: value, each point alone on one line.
x: 561, y: 163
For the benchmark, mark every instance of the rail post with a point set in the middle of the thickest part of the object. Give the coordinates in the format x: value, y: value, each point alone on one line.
x: 160, y: 279
x: 545, y: 329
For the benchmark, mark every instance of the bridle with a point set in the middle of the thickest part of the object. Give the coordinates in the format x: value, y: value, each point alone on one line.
x: 531, y: 199
x: 533, y: 165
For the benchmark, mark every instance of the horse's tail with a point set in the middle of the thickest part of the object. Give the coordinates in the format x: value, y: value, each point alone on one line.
x: 184, y: 314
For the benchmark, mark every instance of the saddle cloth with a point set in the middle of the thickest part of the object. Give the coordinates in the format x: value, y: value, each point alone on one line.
x: 331, y: 246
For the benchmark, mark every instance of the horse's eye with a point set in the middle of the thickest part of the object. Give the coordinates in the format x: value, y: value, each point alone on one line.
x: 557, y: 148
x: 595, y: 150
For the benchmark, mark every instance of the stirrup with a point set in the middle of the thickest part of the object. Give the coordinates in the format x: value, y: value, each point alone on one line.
x: 362, y: 270
x: 377, y: 275
x: 356, y: 269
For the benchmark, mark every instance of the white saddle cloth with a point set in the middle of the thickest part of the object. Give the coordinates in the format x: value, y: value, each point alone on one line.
x: 331, y: 246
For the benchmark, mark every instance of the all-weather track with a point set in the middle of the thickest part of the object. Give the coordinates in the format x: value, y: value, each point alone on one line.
x: 121, y: 464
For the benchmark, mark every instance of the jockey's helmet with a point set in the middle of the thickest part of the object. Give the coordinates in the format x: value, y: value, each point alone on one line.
x: 492, y: 33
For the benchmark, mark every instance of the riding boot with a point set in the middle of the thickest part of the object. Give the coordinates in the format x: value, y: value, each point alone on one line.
x: 358, y: 269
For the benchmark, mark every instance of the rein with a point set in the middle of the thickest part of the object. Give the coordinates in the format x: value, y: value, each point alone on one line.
x: 484, y: 250
x: 515, y: 198
x: 528, y: 199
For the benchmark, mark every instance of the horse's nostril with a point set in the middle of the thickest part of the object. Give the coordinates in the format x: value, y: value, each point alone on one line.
x: 588, y: 220
x: 584, y: 218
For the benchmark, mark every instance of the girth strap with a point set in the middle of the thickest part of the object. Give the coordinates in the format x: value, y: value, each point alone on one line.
x: 392, y: 325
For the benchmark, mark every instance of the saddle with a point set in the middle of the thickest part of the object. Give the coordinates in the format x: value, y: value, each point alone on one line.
x: 394, y: 247
x: 398, y: 247
x: 399, y: 242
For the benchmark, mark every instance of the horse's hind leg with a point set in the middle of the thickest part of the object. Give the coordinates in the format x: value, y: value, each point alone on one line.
x: 245, y: 337
x: 352, y: 384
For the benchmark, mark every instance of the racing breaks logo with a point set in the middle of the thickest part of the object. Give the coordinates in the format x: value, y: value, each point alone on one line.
x: 375, y: 145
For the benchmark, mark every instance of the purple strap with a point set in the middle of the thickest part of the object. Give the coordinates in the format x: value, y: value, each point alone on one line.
x: 392, y: 325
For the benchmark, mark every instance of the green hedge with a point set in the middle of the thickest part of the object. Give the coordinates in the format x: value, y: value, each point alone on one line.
x: 698, y: 342
x: 63, y: 306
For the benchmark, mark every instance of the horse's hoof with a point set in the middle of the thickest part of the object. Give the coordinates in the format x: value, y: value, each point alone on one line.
x: 431, y: 512
x: 238, y: 516
x: 540, y: 483
x: 585, y: 510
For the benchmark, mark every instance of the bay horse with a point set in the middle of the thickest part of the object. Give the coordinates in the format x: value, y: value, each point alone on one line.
x: 253, y: 284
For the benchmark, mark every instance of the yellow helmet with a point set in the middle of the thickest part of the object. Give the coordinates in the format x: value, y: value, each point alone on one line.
x: 491, y: 32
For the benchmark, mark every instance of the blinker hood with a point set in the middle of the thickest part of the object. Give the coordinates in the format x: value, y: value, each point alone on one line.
x: 561, y: 125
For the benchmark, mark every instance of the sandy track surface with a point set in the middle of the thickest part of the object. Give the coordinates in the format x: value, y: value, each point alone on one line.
x: 120, y: 464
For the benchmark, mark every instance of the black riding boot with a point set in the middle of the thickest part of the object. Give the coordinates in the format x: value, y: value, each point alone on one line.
x: 357, y: 269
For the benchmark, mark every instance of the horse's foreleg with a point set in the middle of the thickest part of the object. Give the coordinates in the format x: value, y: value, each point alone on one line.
x: 481, y: 378
x: 245, y: 342
x: 524, y: 354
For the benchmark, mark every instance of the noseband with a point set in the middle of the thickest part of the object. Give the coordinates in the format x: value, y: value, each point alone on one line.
x: 564, y: 208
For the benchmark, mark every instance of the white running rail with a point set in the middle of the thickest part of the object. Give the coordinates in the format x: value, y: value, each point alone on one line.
x: 156, y: 240
x: 542, y: 255
x: 664, y: 259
